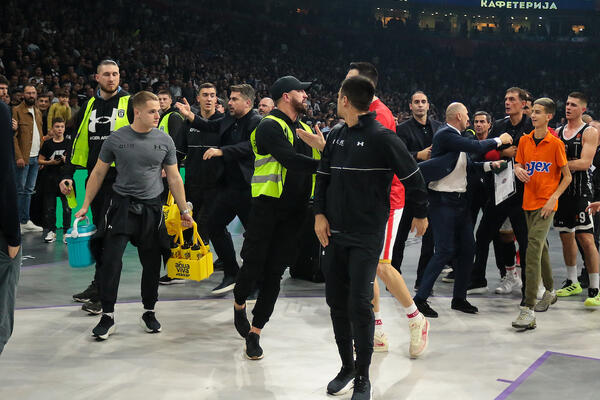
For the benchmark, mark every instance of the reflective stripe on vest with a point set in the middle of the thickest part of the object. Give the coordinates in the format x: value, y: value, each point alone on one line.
x: 81, y: 146
x: 269, y: 175
x: 164, y: 122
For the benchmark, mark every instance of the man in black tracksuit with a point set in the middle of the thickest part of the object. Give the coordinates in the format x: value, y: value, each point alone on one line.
x: 351, y: 209
x: 101, y: 115
x: 278, y: 211
x: 233, y: 190
x: 201, y: 176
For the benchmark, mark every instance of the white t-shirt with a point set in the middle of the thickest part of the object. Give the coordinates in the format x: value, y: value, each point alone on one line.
x: 35, y: 140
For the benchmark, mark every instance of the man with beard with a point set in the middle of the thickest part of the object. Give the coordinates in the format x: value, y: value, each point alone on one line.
x: 282, y: 184
x: 99, y: 117
x: 233, y: 190
x: 27, y: 140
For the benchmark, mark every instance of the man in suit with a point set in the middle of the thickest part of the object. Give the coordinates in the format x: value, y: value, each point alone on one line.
x: 449, y: 207
x: 417, y: 133
x: 233, y: 191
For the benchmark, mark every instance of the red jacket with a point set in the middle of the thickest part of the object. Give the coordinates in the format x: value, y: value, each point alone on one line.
x: 386, y: 118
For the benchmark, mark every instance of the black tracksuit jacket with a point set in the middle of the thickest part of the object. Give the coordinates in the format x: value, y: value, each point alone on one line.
x: 355, y: 176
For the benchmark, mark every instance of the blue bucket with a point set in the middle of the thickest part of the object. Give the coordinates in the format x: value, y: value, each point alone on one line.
x: 78, y: 243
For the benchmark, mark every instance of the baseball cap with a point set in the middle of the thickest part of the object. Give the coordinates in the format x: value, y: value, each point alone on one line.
x: 287, y: 84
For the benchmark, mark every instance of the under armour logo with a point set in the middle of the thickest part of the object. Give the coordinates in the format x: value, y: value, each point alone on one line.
x: 103, y: 120
x: 360, y: 144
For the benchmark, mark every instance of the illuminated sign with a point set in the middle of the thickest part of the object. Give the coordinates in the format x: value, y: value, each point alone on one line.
x: 532, y: 5
x: 523, y: 5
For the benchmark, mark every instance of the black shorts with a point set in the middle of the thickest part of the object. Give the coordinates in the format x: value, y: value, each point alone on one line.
x: 572, y: 217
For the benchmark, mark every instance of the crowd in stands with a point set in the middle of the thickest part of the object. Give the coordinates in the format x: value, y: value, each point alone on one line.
x: 162, y: 46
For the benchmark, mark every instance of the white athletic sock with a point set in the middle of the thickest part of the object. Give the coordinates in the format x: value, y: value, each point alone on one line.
x: 109, y: 314
x: 145, y: 309
x: 378, y: 323
x: 594, y: 280
x: 572, y: 273
x: 511, y: 268
x: 412, y: 312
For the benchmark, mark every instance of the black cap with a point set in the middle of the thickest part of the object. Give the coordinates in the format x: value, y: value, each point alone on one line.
x: 287, y: 84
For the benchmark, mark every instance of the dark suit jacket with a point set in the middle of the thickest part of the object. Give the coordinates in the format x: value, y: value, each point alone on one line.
x: 412, y: 135
x: 234, y: 138
x: 447, y: 146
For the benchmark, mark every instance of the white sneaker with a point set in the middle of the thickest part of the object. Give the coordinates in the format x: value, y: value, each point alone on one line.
x: 50, y: 237
x: 419, y: 334
x: 525, y: 320
x: 507, y: 284
x: 31, y: 227
x: 380, y: 342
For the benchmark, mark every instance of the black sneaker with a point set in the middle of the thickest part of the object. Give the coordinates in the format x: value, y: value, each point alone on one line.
x: 253, y: 296
x: 253, y: 349
x: 90, y: 293
x: 584, y: 279
x: 149, y: 322
x: 425, y: 309
x: 362, y: 389
x: 226, y: 285
x: 342, y: 383
x: 240, y: 320
x: 449, y: 278
x: 218, y: 265
x: 92, y: 307
x: 464, y: 306
x: 105, y: 328
x: 165, y: 280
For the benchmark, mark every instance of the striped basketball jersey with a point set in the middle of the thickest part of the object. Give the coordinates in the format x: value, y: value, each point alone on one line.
x: 581, y: 184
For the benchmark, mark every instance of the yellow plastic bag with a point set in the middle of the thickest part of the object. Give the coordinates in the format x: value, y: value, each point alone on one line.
x: 190, y: 262
x: 173, y: 217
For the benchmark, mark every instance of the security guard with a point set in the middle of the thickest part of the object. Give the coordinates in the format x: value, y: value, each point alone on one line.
x: 282, y: 184
x: 101, y: 115
x: 170, y: 119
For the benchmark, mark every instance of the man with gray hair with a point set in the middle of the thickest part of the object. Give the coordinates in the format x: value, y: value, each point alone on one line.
x: 448, y: 206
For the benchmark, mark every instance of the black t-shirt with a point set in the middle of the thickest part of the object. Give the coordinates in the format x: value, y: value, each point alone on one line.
x: 52, y: 150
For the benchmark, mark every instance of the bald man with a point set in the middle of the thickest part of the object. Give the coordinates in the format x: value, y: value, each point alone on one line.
x: 448, y: 206
x: 265, y: 106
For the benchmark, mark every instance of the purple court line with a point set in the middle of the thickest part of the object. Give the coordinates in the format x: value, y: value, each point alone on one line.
x: 523, y: 377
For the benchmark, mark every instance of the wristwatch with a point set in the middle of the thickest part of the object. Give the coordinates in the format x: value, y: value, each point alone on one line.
x: 186, y: 211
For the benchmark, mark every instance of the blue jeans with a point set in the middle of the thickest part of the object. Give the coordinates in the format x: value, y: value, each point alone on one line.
x: 26, y: 178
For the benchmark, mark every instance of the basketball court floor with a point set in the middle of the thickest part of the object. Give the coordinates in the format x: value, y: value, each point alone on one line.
x: 199, y: 355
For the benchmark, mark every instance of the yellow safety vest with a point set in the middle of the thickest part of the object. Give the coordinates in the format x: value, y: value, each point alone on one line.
x: 81, y: 146
x: 269, y: 175
x: 164, y: 122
